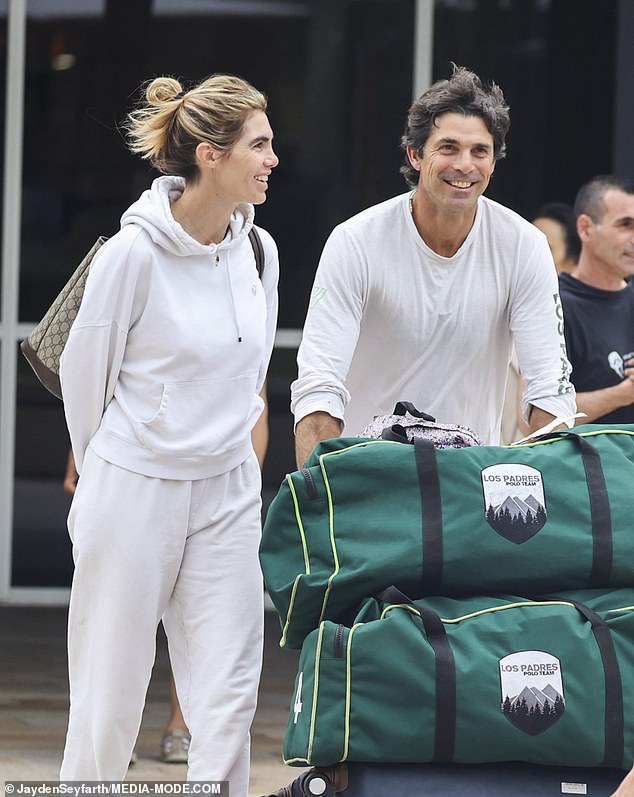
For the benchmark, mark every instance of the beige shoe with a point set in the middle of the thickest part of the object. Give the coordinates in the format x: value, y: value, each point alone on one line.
x: 175, y: 747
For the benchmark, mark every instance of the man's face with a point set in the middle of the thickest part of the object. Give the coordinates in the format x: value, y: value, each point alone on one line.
x: 610, y: 240
x: 456, y: 163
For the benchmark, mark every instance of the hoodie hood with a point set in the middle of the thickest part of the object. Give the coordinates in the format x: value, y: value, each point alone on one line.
x: 153, y: 212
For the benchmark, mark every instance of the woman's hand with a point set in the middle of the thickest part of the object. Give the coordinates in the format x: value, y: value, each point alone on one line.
x: 71, y: 476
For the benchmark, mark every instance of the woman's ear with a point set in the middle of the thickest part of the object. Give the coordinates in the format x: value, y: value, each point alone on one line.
x: 206, y: 156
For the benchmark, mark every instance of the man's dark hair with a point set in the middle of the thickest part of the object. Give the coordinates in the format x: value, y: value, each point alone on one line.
x: 563, y: 214
x: 590, y: 197
x: 462, y: 93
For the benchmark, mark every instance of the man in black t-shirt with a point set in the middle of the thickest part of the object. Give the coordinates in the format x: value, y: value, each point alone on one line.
x: 598, y: 302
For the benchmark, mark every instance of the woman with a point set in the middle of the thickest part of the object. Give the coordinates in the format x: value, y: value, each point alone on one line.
x: 161, y: 378
x: 558, y: 223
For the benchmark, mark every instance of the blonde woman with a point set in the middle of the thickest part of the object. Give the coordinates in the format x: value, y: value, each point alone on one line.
x: 161, y: 378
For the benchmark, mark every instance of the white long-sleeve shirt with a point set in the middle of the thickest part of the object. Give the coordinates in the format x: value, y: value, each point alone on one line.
x: 390, y: 320
x: 170, y: 347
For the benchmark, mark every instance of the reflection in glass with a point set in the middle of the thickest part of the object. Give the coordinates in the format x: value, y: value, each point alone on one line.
x: 41, y: 553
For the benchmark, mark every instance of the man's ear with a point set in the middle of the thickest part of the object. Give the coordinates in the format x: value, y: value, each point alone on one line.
x: 584, y: 226
x: 414, y: 157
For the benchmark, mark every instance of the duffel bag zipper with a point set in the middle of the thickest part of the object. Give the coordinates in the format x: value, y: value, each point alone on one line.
x: 490, y: 610
x: 311, y: 487
x: 338, y: 644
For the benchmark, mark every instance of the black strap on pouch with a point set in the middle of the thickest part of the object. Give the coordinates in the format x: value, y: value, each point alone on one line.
x: 403, y: 407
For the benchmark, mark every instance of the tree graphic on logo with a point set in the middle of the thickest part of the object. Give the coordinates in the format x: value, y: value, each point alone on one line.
x: 514, y: 501
x: 532, y: 715
x: 518, y: 525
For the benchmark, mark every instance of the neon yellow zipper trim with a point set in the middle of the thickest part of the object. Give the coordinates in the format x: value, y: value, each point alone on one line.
x: 563, y: 437
x: 302, y: 534
x: 331, y: 518
x: 313, y: 713
x: 346, y: 730
x: 491, y: 609
x: 300, y: 525
x: 291, y: 606
x: 331, y: 532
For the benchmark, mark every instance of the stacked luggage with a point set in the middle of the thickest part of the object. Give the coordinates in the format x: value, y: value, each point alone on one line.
x: 459, y: 609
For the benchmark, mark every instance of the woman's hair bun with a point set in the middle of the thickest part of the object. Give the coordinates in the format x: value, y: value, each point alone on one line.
x: 162, y: 89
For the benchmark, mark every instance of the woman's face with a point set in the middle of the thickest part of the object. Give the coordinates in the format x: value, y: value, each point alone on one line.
x: 244, y: 171
x: 555, y: 233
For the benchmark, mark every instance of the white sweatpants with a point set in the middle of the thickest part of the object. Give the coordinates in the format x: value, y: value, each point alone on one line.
x: 187, y: 552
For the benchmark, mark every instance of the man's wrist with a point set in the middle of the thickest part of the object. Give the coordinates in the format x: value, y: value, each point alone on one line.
x: 312, y: 429
x: 627, y: 387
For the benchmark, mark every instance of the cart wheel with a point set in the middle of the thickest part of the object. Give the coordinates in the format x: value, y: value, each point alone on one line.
x: 316, y: 784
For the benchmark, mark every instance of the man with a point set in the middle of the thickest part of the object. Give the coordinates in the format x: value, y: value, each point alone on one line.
x: 598, y: 302
x: 419, y: 298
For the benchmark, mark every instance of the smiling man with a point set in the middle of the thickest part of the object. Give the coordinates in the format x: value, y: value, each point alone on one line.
x: 598, y: 302
x: 421, y: 297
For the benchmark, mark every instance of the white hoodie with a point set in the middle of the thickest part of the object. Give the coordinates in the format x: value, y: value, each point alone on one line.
x: 170, y: 348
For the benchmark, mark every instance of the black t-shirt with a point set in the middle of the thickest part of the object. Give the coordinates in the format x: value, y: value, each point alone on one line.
x: 599, y: 331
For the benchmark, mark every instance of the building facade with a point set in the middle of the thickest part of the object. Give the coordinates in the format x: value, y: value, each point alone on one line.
x: 340, y: 75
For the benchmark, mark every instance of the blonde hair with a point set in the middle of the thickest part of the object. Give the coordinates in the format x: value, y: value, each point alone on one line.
x: 170, y: 123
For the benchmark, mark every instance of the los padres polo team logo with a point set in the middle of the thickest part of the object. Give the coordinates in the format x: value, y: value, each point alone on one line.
x: 532, y: 690
x: 514, y: 502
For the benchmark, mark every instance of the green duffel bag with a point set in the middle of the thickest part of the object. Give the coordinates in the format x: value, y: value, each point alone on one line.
x: 557, y: 513
x: 478, y: 680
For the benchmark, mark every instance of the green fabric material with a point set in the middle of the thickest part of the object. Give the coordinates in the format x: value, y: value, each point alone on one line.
x: 350, y: 524
x: 367, y: 692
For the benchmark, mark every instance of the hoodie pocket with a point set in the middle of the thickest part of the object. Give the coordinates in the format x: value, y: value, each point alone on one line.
x: 200, y: 418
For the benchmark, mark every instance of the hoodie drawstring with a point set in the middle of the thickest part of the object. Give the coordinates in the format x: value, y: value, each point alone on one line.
x: 233, y: 302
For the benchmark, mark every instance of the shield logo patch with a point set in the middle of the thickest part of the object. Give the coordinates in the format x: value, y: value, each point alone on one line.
x: 532, y: 690
x: 514, y: 502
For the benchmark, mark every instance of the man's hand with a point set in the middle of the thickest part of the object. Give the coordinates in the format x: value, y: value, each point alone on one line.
x: 597, y: 403
x: 312, y: 429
